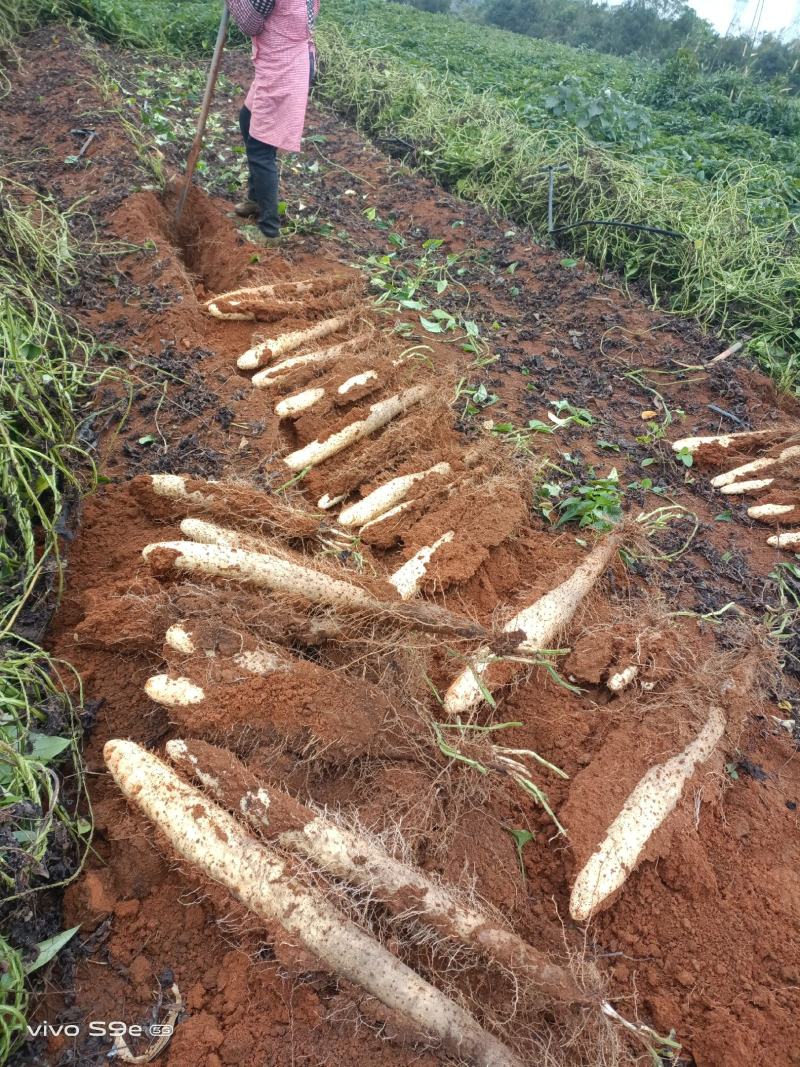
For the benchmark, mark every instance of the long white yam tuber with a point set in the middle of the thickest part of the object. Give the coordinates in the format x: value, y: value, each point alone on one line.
x: 270, y: 375
x: 213, y: 841
x: 236, y: 500
x: 408, y: 578
x: 790, y: 541
x: 756, y: 465
x: 386, y: 496
x: 259, y: 569
x: 270, y: 349
x: 216, y: 306
x: 363, y: 862
x: 379, y: 414
x: 725, y: 440
x: 752, y: 485
x: 297, y: 404
x: 209, y: 533
x: 217, y: 555
x: 541, y: 622
x: 765, y: 512
x: 653, y: 799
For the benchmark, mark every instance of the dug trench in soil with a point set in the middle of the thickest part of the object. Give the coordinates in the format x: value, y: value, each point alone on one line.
x: 704, y: 936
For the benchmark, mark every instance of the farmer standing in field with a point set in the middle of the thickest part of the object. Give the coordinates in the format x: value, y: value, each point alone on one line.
x: 274, y: 110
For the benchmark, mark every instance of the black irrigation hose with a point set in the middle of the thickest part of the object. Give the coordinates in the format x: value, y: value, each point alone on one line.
x: 625, y: 225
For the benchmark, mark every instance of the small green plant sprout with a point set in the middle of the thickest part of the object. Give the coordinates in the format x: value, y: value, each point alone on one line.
x: 521, y: 838
x: 595, y: 505
x: 471, y: 745
x: 567, y: 414
x: 684, y: 456
x: 478, y: 397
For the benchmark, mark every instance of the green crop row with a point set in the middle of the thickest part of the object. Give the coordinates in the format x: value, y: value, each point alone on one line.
x: 736, y: 266
x: 45, y: 379
x: 697, y: 124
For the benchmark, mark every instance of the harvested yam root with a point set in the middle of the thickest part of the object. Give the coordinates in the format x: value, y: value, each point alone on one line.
x: 244, y: 305
x: 418, y: 440
x: 408, y: 578
x: 790, y: 541
x: 129, y: 619
x: 295, y: 405
x: 386, y: 496
x: 735, y: 442
x: 218, y: 681
x: 170, y: 495
x: 213, y: 841
x: 275, y: 347
x: 298, y: 369
x: 647, y: 807
x: 217, y: 555
x: 481, y: 512
x: 540, y: 623
x: 379, y: 415
x: 773, y: 476
x: 363, y: 862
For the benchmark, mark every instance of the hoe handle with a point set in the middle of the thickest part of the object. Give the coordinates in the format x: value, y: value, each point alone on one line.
x: 202, y: 118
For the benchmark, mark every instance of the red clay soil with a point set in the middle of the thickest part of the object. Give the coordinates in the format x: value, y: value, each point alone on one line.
x: 704, y: 938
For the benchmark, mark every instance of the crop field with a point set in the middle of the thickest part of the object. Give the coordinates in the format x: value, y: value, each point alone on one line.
x: 399, y: 627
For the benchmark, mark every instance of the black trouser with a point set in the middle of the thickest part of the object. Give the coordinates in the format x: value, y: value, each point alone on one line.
x: 262, y: 186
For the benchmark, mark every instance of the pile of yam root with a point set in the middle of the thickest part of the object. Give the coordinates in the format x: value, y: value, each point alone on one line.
x: 370, y: 483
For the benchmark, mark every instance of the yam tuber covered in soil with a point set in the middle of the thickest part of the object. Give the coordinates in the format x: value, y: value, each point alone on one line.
x: 310, y: 361
x: 379, y: 414
x: 363, y: 862
x: 242, y: 305
x: 280, y: 574
x: 386, y: 496
x: 282, y: 345
x: 540, y: 622
x: 645, y: 810
x: 210, y: 839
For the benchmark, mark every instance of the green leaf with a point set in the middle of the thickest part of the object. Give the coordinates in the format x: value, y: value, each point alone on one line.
x: 569, y: 263
x: 430, y: 325
x: 148, y: 439
x: 44, y: 747
x: 49, y: 948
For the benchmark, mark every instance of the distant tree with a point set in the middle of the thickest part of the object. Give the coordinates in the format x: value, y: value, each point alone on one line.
x: 657, y: 28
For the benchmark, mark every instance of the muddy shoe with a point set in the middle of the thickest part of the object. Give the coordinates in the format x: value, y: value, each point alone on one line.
x: 246, y: 209
x: 256, y: 237
x: 260, y: 238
